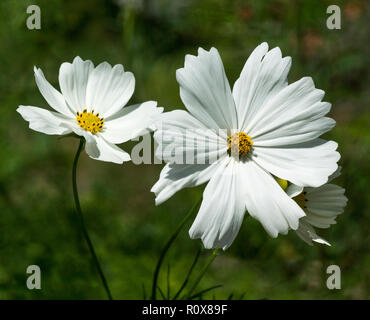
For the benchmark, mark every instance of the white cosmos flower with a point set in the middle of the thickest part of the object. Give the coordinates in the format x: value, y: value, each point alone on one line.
x: 91, y: 105
x: 322, y: 205
x: 278, y: 126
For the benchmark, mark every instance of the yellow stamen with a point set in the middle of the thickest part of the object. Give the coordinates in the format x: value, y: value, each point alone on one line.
x: 90, y: 121
x: 282, y: 183
x: 239, y: 143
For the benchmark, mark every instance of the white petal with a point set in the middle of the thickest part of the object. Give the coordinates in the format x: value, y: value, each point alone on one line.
x: 305, y: 164
x: 175, y: 177
x: 52, y: 96
x: 73, y: 78
x: 205, y: 90
x: 335, y: 175
x: 222, y: 211
x: 184, y: 139
x: 130, y: 122
x: 324, y: 205
x: 109, y: 89
x: 45, y: 121
x: 318, y: 239
x: 294, y: 115
x: 100, y: 149
x: 267, y: 202
x: 308, y: 234
x: 263, y: 75
x: 293, y: 190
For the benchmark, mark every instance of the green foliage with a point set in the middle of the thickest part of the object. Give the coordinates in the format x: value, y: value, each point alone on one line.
x: 37, y: 221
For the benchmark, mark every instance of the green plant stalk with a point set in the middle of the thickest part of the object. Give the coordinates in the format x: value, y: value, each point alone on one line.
x: 203, y: 271
x: 82, y: 221
x: 188, y: 275
x: 168, y: 245
x: 200, y: 293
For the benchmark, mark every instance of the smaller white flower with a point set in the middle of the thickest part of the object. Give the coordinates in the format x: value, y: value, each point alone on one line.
x: 322, y: 205
x: 91, y: 105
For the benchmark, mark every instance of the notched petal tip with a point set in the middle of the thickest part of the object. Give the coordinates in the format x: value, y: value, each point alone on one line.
x: 202, y: 51
x: 120, y: 68
x: 276, y: 51
x: 331, y: 122
x: 288, y: 62
x: 264, y: 45
x: 179, y: 74
x: 20, y: 108
x: 192, y: 233
x: 153, y: 189
x: 273, y: 233
x: 78, y: 59
x: 104, y: 65
x: 158, y: 199
x: 308, y: 80
x: 214, y: 50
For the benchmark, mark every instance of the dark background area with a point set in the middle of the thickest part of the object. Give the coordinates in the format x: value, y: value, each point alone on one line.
x: 151, y: 38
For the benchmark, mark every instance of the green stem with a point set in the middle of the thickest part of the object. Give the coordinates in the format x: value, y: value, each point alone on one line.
x: 168, y: 245
x: 204, y: 270
x: 82, y: 221
x: 188, y: 275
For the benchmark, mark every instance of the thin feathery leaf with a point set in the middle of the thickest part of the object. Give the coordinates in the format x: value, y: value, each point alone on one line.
x: 242, y: 296
x: 189, y: 274
x: 200, y: 293
x: 168, y: 245
x: 161, y: 292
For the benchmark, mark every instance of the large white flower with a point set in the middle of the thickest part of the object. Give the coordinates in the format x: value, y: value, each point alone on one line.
x: 91, y: 105
x: 322, y: 205
x: 273, y: 125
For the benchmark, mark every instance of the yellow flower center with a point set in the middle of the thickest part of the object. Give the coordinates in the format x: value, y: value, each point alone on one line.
x: 90, y: 121
x: 301, y: 200
x: 282, y: 183
x: 239, y: 143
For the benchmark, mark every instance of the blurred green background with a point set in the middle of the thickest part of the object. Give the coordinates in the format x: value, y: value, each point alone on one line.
x: 150, y: 38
